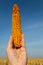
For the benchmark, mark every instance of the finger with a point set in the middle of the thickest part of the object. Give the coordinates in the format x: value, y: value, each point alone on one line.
x: 22, y: 41
x: 10, y: 42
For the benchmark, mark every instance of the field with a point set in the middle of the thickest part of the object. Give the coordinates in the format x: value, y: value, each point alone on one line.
x: 31, y: 61
x: 35, y: 61
x: 3, y: 61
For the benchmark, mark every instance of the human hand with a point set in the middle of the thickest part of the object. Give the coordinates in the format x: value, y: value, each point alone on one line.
x: 16, y: 56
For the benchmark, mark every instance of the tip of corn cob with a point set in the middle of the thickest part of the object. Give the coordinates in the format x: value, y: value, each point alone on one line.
x: 16, y: 26
x: 15, y: 8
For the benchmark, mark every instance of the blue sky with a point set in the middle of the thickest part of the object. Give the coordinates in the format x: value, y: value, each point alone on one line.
x: 32, y: 25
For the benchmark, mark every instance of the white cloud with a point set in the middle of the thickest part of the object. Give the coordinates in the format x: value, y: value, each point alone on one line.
x: 37, y: 42
x: 38, y: 25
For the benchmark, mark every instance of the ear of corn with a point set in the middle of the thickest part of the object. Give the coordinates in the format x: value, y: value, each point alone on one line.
x: 16, y: 26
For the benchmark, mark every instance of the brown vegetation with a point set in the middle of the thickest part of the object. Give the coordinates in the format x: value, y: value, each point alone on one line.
x: 32, y: 61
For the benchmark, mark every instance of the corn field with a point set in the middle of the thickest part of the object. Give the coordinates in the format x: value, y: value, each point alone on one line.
x: 31, y: 61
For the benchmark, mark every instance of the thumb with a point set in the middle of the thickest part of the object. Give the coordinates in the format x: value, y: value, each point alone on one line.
x: 10, y: 42
x: 22, y: 41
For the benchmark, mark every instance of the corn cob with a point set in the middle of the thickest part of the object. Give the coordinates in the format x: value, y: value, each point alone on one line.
x: 16, y: 26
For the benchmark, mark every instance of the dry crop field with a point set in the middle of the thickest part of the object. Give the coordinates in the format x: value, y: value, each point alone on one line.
x: 31, y: 61
x: 35, y: 61
x: 3, y: 61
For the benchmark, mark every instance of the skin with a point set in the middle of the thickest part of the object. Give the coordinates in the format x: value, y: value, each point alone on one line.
x: 16, y: 56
